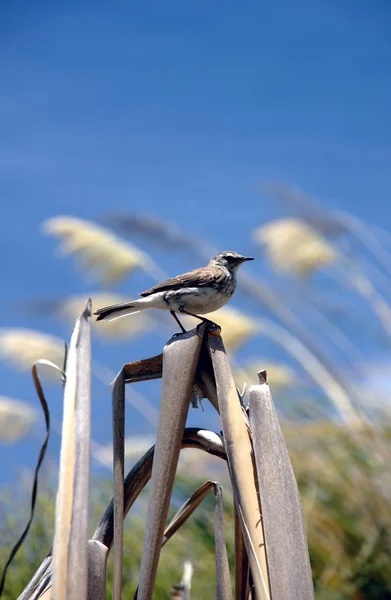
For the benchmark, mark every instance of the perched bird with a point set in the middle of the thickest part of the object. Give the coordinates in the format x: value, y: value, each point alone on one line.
x: 195, y: 293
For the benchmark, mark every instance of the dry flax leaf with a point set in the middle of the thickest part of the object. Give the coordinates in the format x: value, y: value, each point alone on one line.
x: 241, y: 467
x: 102, y: 253
x: 202, y: 439
x: 223, y: 582
x: 41, y: 456
x: 181, y: 356
x: 187, y: 509
x: 241, y: 561
x: 64, y: 501
x: 78, y: 535
x: 294, y: 247
x: 135, y: 481
x: 118, y: 421
x: 286, y: 543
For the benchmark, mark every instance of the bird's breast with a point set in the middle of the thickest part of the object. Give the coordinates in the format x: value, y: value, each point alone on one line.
x: 200, y: 300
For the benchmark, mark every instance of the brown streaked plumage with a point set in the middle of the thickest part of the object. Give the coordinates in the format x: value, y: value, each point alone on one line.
x: 198, y: 292
x: 201, y: 277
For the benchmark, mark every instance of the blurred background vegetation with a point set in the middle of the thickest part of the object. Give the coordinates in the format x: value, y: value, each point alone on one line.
x: 325, y: 273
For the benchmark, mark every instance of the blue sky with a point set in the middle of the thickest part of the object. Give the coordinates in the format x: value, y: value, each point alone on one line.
x: 182, y: 110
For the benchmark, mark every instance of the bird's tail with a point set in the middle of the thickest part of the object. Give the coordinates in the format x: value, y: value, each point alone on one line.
x: 116, y: 311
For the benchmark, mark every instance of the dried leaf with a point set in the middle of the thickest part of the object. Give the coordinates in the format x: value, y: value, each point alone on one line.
x: 286, y: 543
x: 64, y: 500
x: 118, y: 420
x: 240, y: 461
x: 135, y: 481
x: 41, y: 456
x: 78, y: 535
x: 180, y: 359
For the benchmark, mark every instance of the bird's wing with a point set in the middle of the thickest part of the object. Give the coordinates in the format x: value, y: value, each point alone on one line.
x: 203, y: 277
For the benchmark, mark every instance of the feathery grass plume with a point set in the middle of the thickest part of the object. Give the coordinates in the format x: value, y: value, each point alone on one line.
x: 16, y: 418
x: 335, y: 389
x: 23, y: 347
x: 161, y: 232
x: 335, y: 223
x: 237, y: 327
x: 71, y: 307
x: 332, y: 223
x: 328, y: 222
x: 279, y: 375
x: 166, y: 233
x: 371, y: 237
x: 293, y: 246
x: 104, y: 255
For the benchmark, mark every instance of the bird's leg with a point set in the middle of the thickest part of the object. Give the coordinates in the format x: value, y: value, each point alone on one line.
x: 208, y: 321
x: 178, y: 321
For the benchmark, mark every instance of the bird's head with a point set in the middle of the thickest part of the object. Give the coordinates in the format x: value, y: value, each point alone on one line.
x: 230, y: 260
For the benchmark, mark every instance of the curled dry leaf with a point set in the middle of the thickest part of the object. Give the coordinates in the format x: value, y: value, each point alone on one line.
x: 71, y: 307
x: 106, y: 256
x: 16, y: 418
x: 295, y: 247
x: 236, y: 327
x: 23, y: 347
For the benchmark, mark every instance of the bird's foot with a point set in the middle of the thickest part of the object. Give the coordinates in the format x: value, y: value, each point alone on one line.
x: 178, y: 321
x: 175, y: 335
x: 213, y: 328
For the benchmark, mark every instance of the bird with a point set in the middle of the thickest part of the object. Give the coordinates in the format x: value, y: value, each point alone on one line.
x: 195, y: 293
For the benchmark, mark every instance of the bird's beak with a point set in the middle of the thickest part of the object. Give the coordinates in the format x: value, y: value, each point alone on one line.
x: 246, y: 258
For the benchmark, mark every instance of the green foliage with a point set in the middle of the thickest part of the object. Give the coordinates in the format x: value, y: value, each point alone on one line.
x: 344, y: 479
x: 194, y: 541
x: 14, y: 510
